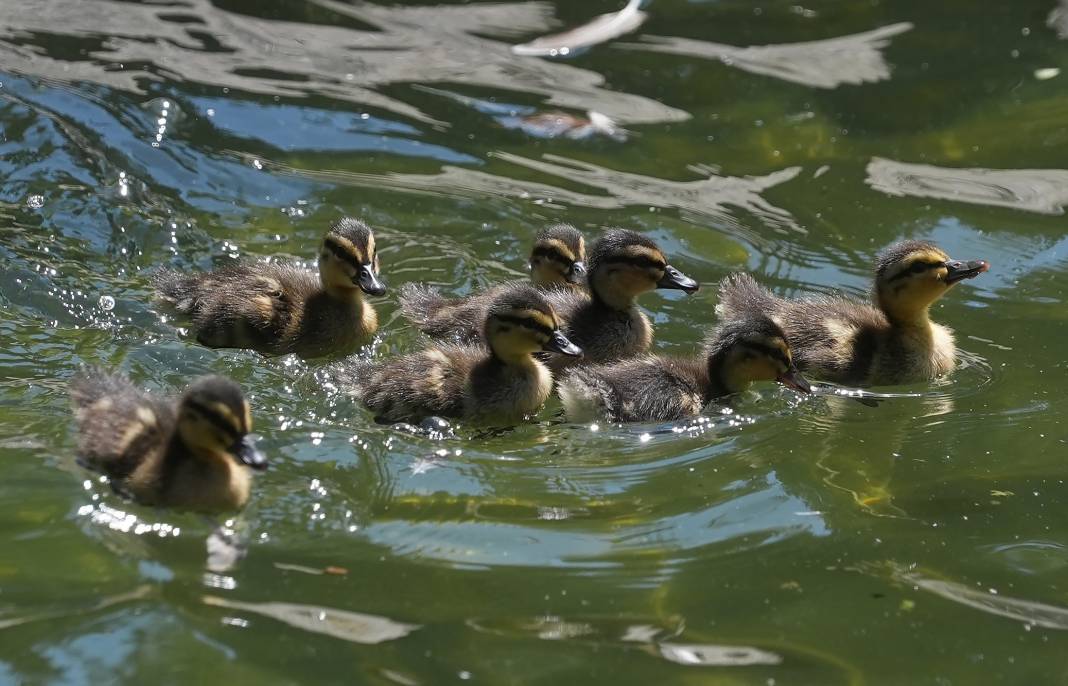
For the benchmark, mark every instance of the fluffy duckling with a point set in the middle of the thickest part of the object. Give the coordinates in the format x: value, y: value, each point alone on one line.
x: 652, y: 388
x: 557, y: 260
x: 193, y: 453
x: 558, y: 257
x: 606, y: 322
x: 284, y: 308
x: 499, y: 382
x: 847, y: 341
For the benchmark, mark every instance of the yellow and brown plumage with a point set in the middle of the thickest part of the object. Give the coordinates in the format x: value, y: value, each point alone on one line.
x: 557, y: 260
x: 655, y: 388
x: 606, y: 322
x: 844, y: 340
x: 279, y: 308
x: 193, y: 453
x: 498, y: 382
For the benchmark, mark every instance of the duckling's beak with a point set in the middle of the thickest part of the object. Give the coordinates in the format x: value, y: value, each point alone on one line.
x: 578, y: 273
x: 792, y: 378
x: 559, y: 344
x: 368, y: 281
x: 673, y: 278
x: 959, y: 271
x: 247, y: 452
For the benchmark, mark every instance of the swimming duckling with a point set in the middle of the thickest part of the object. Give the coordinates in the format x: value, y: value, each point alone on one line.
x: 191, y: 453
x: 558, y: 257
x: 653, y: 388
x: 283, y: 308
x: 847, y: 341
x: 499, y: 383
x: 557, y: 260
x: 606, y: 323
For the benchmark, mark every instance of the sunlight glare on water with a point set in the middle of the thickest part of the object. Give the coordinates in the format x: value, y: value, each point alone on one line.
x: 917, y: 537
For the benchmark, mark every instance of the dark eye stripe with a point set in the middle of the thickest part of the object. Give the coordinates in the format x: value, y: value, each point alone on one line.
x: 773, y: 353
x: 550, y: 254
x: 342, y: 254
x: 643, y: 262
x: 527, y: 324
x: 916, y: 268
x: 214, y: 419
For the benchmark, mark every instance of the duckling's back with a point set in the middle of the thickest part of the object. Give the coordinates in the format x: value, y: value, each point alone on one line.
x: 119, y: 426
x: 448, y: 319
x: 258, y: 306
x: 831, y: 337
x: 645, y: 389
x: 428, y: 382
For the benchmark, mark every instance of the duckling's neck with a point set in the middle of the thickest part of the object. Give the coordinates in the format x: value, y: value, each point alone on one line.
x: 913, y: 319
x: 344, y: 294
x: 512, y: 359
x: 612, y: 300
x: 724, y: 378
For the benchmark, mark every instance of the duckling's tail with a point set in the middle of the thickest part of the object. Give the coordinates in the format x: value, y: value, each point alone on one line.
x: 740, y: 294
x: 418, y: 303
x: 176, y: 289
x: 91, y: 384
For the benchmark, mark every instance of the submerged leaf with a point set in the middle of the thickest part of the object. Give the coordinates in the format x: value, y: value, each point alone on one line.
x: 348, y: 626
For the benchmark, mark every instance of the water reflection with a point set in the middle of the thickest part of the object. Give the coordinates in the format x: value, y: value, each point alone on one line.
x: 705, y: 200
x: 1058, y: 19
x: 1035, y: 190
x: 130, y: 46
x: 828, y: 63
x: 355, y: 627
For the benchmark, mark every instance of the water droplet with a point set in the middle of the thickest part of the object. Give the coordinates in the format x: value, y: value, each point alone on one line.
x: 35, y: 202
x: 107, y: 303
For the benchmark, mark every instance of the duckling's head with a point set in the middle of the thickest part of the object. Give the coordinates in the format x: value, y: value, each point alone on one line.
x: 558, y: 257
x: 348, y: 259
x: 754, y: 348
x: 911, y: 275
x: 214, y: 421
x: 624, y: 264
x: 520, y: 322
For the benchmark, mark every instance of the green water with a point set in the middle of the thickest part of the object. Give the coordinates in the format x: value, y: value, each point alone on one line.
x: 812, y: 541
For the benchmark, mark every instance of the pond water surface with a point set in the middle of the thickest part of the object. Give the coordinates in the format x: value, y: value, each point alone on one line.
x: 777, y: 541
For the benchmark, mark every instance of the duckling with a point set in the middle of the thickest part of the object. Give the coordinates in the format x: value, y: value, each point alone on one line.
x: 557, y: 260
x: 847, y: 341
x: 653, y: 388
x: 193, y: 453
x: 606, y: 323
x: 284, y: 308
x: 498, y: 382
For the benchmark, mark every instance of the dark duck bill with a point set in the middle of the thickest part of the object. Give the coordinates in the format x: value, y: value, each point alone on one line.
x: 959, y: 271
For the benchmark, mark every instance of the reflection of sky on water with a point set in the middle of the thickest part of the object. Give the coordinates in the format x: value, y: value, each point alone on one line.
x: 751, y: 519
x: 1034, y: 190
x: 288, y: 127
x: 828, y: 63
x: 704, y: 200
x: 110, y: 144
x: 130, y: 46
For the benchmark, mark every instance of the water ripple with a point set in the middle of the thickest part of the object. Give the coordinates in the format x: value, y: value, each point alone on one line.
x: 1035, y: 190
x: 829, y: 63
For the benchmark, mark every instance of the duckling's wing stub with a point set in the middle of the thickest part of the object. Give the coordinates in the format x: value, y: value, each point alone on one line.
x: 118, y: 424
x: 419, y: 302
x: 740, y: 294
